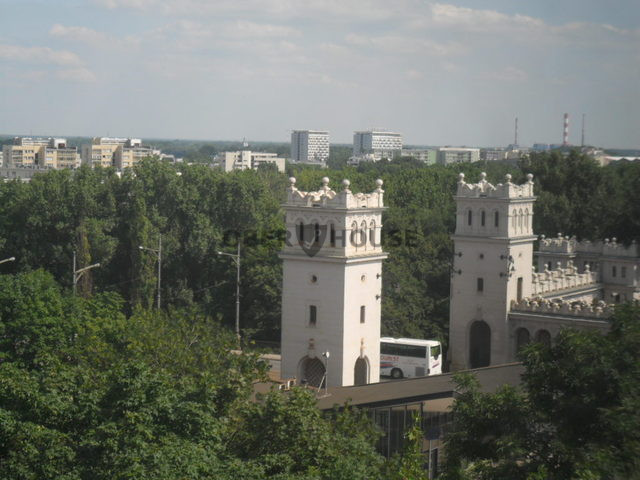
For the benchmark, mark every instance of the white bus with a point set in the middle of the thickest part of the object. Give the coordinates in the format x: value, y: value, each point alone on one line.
x: 410, y: 357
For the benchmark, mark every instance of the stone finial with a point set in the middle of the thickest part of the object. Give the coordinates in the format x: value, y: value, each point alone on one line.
x: 542, y: 237
x: 587, y: 268
x: 529, y: 177
x: 325, y: 183
x: 379, y: 184
x: 292, y: 182
x: 345, y: 184
x: 483, y: 176
x: 461, y: 177
x: 614, y: 240
x: 508, y: 178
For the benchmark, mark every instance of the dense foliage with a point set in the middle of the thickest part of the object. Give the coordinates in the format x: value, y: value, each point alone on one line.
x: 576, y: 417
x: 199, y: 211
x: 87, y: 393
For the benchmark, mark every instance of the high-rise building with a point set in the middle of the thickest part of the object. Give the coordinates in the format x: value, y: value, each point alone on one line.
x: 116, y: 152
x: 310, y: 146
x: 331, y: 269
x: 40, y: 152
x: 380, y: 144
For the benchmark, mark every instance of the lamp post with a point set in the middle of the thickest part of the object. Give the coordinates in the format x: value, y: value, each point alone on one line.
x: 236, y: 259
x: 326, y: 372
x: 10, y: 259
x: 78, y: 273
x: 158, y: 252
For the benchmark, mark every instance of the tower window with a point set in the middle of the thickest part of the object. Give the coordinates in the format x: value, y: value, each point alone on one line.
x: 316, y: 238
x: 496, y: 219
x: 332, y: 235
x: 313, y: 315
x: 480, y: 285
x: 623, y: 272
x: 614, y: 271
x: 362, y: 314
x: 301, y: 232
x: 482, y: 218
x: 469, y: 217
x: 519, y: 292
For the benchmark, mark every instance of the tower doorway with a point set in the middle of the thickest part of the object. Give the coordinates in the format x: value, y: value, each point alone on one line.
x: 361, y: 372
x: 479, y: 345
x: 312, y: 371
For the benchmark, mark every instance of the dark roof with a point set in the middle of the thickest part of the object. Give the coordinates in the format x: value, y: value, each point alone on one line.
x: 418, y: 389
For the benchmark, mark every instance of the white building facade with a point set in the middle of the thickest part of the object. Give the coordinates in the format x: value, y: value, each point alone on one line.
x: 332, y: 267
x: 246, y: 159
x: 310, y: 146
x: 380, y: 144
x: 448, y: 155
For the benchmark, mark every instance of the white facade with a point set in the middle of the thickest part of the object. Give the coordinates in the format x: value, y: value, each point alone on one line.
x: 246, y: 159
x: 310, y: 146
x: 332, y: 266
x: 493, y: 251
x: 380, y: 144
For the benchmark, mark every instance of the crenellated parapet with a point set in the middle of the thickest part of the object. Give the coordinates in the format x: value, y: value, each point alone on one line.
x: 502, y: 190
x: 326, y: 197
x: 607, y: 247
x: 559, y: 307
x: 549, y: 281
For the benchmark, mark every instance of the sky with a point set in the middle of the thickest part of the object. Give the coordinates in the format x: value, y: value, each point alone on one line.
x: 439, y: 73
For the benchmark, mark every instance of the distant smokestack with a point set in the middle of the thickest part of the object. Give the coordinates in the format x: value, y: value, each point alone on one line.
x: 582, y: 141
x: 565, y: 133
x: 515, y: 140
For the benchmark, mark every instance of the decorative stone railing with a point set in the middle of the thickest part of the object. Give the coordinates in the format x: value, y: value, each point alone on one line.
x: 326, y: 197
x: 561, y: 279
x: 559, y: 307
x: 608, y: 247
x: 502, y: 190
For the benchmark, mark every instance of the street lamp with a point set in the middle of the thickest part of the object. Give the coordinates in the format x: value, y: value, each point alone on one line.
x: 236, y: 258
x: 158, y: 252
x: 78, y: 273
x: 326, y: 355
x: 10, y: 259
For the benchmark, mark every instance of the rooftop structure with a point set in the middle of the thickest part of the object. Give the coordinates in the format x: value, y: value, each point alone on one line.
x: 40, y: 152
x: 116, y: 152
x: 448, y: 155
x: 246, y: 159
x: 381, y: 144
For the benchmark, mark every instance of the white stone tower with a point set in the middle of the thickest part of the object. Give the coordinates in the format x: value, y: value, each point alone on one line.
x: 493, y: 251
x: 332, y: 266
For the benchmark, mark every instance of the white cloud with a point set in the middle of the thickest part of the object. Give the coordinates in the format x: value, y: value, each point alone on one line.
x: 39, y: 55
x: 246, y: 29
x: 405, y: 45
x: 81, y: 34
x: 507, y: 74
x: 82, y: 75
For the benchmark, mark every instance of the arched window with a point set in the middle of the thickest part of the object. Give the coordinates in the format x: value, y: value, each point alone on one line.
x: 312, y: 371
x: 361, y: 372
x: 543, y: 337
x: 496, y: 219
x: 469, y: 218
x: 372, y: 233
x: 332, y: 235
x: 301, y: 232
x: 354, y: 234
x: 479, y: 345
x: 363, y: 234
x: 316, y: 233
x: 482, y: 218
x: 522, y: 338
x: 520, y: 215
x: 526, y: 220
x: 514, y: 219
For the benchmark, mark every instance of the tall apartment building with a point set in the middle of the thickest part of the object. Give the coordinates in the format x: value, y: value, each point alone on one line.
x: 447, y: 155
x: 246, y: 159
x: 380, y: 144
x: 310, y: 146
x: 425, y: 155
x: 40, y: 152
x: 116, y: 152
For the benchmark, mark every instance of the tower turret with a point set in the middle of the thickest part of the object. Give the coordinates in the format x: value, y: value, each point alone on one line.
x: 332, y: 266
x: 493, y: 251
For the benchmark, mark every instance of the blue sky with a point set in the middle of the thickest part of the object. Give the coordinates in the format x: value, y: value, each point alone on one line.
x: 440, y: 73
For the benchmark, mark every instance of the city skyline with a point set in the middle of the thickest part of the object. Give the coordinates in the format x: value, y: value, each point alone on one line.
x: 440, y: 73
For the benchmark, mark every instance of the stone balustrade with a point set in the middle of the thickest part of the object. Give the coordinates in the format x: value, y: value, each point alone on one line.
x: 608, y: 247
x: 560, y: 307
x: 561, y: 279
x: 326, y: 197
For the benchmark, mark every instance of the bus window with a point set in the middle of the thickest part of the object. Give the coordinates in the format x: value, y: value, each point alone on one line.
x: 435, y: 351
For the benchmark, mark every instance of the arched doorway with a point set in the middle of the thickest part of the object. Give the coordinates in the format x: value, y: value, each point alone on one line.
x: 312, y: 371
x: 361, y: 372
x: 479, y: 345
x: 543, y: 337
x: 522, y: 338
